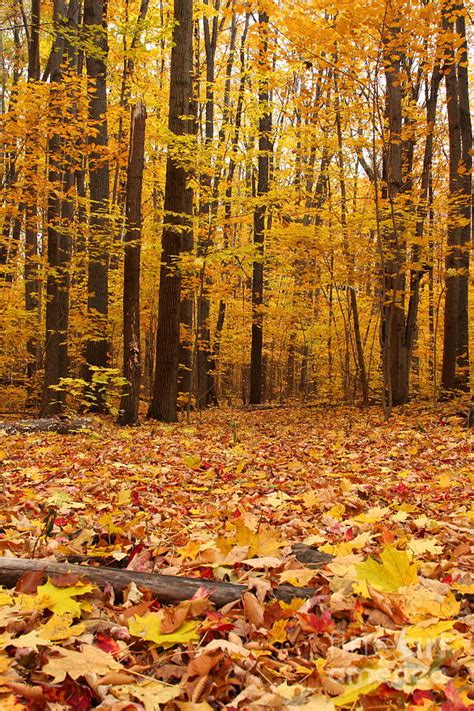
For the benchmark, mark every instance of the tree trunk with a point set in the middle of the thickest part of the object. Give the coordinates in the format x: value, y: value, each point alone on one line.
x: 462, y: 345
x: 208, y: 211
x: 231, y: 169
x: 455, y: 371
x: 178, y: 213
x: 394, y: 355
x: 260, y: 213
x: 131, y: 275
x: 95, y: 22
x: 31, y: 210
x: 59, y: 216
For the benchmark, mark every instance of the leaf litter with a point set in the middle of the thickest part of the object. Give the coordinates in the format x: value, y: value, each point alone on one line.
x: 225, y: 498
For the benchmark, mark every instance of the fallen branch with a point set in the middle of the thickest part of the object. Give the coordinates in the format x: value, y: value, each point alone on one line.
x: 45, y: 425
x: 166, y: 588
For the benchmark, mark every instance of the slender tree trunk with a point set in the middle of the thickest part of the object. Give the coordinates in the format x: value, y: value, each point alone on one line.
x: 208, y: 211
x: 393, y: 312
x: 178, y: 220
x: 95, y: 22
x: 455, y: 371
x: 31, y: 210
x: 260, y: 214
x: 59, y: 218
x: 462, y: 345
x: 131, y: 274
x: 231, y: 167
x: 362, y: 371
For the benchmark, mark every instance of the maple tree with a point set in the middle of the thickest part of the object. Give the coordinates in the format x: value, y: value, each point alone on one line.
x: 330, y: 152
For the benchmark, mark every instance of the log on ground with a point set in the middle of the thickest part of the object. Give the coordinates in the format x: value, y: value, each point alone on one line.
x: 167, y: 588
x: 46, y: 424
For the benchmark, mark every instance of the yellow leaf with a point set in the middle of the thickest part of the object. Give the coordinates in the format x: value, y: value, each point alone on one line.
x: 299, y: 577
x: 418, y: 546
x: 395, y: 571
x: 425, y: 633
x: 4, y: 663
x: 337, y: 511
x: 124, y: 496
x: 61, y: 627
x: 278, y: 632
x: 58, y: 600
x: 373, y: 515
x: 148, y: 627
x: 152, y: 694
x: 444, y: 481
x: 88, y: 659
x: 193, y: 461
x: 427, y: 600
x: 465, y: 588
x: 5, y: 597
x: 354, y: 692
x: 106, y: 521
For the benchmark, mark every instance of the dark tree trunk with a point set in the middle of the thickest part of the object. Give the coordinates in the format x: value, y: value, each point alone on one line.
x: 260, y: 214
x: 462, y: 345
x: 455, y: 371
x: 204, y: 395
x: 31, y: 211
x: 118, y: 197
x: 59, y: 216
x: 178, y: 213
x: 395, y: 366
x: 95, y: 23
x: 231, y: 169
x: 131, y: 275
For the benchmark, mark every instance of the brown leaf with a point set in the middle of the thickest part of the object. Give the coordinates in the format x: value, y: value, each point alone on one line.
x: 202, y: 664
x: 173, y: 618
x: 28, y: 583
x: 387, y: 604
x: 254, y: 610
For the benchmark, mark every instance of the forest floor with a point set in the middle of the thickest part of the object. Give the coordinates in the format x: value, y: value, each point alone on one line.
x: 225, y: 497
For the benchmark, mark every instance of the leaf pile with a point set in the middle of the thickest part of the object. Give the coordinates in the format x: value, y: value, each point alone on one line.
x: 225, y: 498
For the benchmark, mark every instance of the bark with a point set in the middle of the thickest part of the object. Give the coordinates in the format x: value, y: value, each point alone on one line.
x: 204, y: 396
x: 45, y: 424
x: 393, y: 313
x: 455, y: 370
x: 118, y: 189
x: 168, y: 589
x: 131, y: 284
x: 59, y: 216
x: 232, y: 164
x: 364, y: 386
x: 31, y: 210
x: 95, y: 23
x: 178, y: 213
x: 462, y: 345
x: 424, y: 201
x: 260, y: 215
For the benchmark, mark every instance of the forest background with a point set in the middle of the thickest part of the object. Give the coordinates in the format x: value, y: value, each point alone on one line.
x: 299, y: 173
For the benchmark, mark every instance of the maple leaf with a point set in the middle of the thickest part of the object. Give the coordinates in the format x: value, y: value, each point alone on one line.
x: 395, y: 571
x: 5, y: 597
x: 354, y: 692
x: 153, y: 694
x: 264, y: 542
x: 148, y: 627
x: 88, y: 659
x: 61, y: 627
x: 58, y: 600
